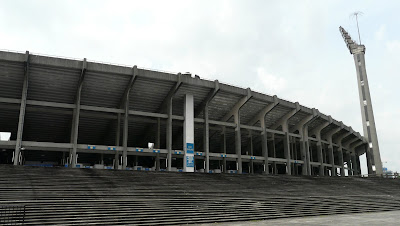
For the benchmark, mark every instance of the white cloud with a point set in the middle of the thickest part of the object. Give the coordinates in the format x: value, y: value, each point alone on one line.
x: 393, y: 46
x: 270, y: 82
x: 380, y: 33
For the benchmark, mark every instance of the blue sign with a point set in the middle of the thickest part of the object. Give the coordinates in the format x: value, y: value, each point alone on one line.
x: 189, y: 148
x: 190, y: 161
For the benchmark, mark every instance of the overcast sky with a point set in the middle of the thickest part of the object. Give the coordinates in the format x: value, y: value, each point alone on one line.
x: 289, y: 48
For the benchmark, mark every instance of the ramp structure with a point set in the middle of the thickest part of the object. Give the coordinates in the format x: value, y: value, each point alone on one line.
x: 373, y: 155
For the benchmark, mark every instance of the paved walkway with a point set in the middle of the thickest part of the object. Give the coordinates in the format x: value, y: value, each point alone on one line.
x: 377, y: 218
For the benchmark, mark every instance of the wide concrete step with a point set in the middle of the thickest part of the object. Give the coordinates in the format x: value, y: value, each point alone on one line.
x: 60, y: 196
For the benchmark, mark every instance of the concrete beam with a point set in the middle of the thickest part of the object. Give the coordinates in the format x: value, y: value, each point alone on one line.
x: 283, y: 121
x: 208, y: 99
x: 261, y: 115
x: 170, y: 95
x: 237, y: 106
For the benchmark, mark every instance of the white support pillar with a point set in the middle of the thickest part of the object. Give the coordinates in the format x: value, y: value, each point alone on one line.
x: 188, y: 133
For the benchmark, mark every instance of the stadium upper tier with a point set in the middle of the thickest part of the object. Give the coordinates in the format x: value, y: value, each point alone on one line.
x: 58, y: 104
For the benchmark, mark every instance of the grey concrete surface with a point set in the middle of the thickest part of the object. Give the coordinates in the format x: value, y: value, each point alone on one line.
x: 378, y: 218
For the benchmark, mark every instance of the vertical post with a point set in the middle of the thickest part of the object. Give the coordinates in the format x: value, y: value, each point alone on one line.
x: 158, y: 140
x: 303, y: 149
x: 206, y: 138
x: 264, y: 145
x: 77, y: 111
x: 354, y: 163
x: 349, y: 164
x: 117, y: 137
x: 238, y: 142
x: 169, y: 134
x: 188, y: 134
x: 251, y: 153
x: 332, y: 157
x: 286, y: 147
x: 224, y: 146
x: 341, y: 161
x: 320, y: 158
x: 125, y: 134
x: 358, y: 165
x: 274, y: 154
x: 21, y: 119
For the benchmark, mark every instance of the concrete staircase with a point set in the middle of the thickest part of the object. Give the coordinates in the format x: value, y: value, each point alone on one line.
x: 107, y: 197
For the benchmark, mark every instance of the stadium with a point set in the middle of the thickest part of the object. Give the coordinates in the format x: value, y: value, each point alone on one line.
x: 69, y: 113
x: 86, y: 114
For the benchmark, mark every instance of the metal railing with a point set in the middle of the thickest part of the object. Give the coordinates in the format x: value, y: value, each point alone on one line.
x: 12, y: 214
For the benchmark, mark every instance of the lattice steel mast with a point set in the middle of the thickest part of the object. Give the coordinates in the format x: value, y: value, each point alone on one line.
x: 373, y: 155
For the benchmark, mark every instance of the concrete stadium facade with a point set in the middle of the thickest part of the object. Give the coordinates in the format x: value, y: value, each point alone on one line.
x: 87, y: 114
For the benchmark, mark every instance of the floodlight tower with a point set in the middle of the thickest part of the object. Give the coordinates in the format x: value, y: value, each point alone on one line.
x: 358, y: 52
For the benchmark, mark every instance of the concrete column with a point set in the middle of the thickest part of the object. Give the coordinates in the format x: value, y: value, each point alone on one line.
x: 264, y: 143
x: 296, y: 168
x: 18, y: 146
x: 238, y: 142
x: 341, y: 161
x: 358, y: 165
x: 188, y: 134
x: 224, y: 146
x: 274, y: 154
x: 251, y: 152
x: 354, y: 163
x: 320, y: 158
x: 77, y: 110
x: 158, y: 143
x: 117, y: 137
x: 286, y: 147
x: 206, y: 138
x: 125, y: 134
x: 303, y: 150
x: 169, y: 134
x: 332, y: 157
